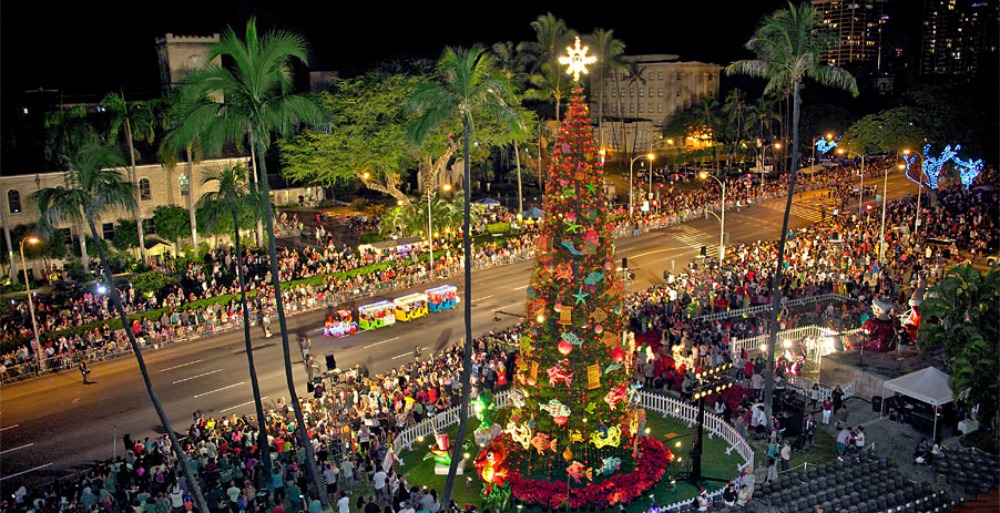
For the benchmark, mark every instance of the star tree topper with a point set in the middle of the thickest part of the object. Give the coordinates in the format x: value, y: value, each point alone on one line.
x: 577, y: 59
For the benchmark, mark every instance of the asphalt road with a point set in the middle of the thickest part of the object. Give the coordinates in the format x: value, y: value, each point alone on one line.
x: 53, y: 426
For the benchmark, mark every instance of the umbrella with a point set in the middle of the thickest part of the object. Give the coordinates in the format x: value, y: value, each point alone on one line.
x: 488, y: 201
x: 532, y: 213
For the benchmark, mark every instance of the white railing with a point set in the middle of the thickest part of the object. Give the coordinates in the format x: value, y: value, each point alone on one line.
x: 662, y: 404
x: 754, y: 310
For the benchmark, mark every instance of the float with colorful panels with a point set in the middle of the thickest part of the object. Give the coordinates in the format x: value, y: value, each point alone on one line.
x: 442, y: 298
x: 340, y: 324
x: 410, y: 307
x: 377, y: 315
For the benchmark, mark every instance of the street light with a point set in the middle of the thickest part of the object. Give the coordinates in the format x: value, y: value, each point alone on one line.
x: 920, y: 189
x: 722, y: 218
x: 31, y: 304
x: 631, y: 166
x: 430, y: 229
x: 651, y: 157
x: 881, y: 236
x: 861, y: 193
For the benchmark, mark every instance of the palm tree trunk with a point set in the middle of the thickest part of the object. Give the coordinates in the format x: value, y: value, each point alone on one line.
x: 6, y: 238
x: 520, y: 198
x: 174, y: 443
x: 466, y: 378
x: 254, y: 178
x: 262, y: 445
x: 84, y: 257
x: 137, y: 211
x: 190, y: 202
x: 272, y: 252
x: 772, y: 339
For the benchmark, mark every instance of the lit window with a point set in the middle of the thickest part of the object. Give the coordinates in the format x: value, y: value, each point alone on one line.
x: 14, y: 201
x: 185, y: 185
x: 144, y: 191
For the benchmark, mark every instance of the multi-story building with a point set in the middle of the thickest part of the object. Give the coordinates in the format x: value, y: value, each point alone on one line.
x: 858, y: 25
x: 645, y: 101
x: 958, y: 37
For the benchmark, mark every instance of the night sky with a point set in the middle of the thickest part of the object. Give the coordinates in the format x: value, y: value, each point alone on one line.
x: 87, y: 49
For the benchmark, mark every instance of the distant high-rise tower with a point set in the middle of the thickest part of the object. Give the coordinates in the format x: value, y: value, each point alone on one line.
x: 958, y: 35
x: 858, y: 25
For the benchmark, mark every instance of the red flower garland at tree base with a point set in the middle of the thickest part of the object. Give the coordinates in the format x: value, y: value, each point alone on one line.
x: 619, y: 488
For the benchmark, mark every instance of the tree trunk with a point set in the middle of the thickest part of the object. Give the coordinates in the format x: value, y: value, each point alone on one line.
x: 262, y: 445
x: 190, y: 202
x: 520, y: 198
x: 84, y: 257
x: 167, y: 427
x: 463, y: 411
x: 272, y: 252
x: 4, y: 208
x: 772, y: 338
x: 254, y: 177
x: 137, y: 211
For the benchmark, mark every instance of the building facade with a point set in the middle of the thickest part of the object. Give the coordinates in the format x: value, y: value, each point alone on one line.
x: 645, y: 102
x: 958, y: 37
x: 180, y: 55
x: 858, y: 25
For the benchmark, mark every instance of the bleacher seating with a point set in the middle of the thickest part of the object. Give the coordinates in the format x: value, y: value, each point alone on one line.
x: 864, y: 483
x: 973, y: 472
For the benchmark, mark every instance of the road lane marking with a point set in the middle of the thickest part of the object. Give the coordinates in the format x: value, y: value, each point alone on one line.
x: 202, y: 375
x: 12, y: 449
x: 521, y: 288
x: 9, y: 427
x: 179, y: 366
x: 407, y: 354
x: 262, y: 399
x: 203, y: 394
x: 658, y: 251
x: 482, y: 298
x: 369, y: 346
x: 40, y: 467
x: 519, y: 303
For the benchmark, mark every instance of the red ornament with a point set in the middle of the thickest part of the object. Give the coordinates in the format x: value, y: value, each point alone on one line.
x: 618, y: 355
x: 565, y: 348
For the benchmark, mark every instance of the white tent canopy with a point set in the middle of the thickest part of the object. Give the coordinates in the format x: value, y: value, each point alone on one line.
x: 928, y: 385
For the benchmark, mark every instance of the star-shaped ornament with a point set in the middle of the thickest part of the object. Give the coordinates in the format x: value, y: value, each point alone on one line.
x: 576, y: 59
x: 581, y: 296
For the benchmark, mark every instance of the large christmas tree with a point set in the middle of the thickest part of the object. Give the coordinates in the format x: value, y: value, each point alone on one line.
x: 574, y: 422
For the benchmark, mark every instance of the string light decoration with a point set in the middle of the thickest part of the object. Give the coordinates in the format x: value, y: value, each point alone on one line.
x: 575, y: 335
x: 577, y: 60
x: 824, y: 145
x: 931, y: 165
x: 968, y: 170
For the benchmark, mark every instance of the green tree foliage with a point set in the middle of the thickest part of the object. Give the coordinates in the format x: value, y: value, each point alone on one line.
x: 365, y: 134
x: 126, y: 234
x: 171, y: 222
x: 960, y: 316
x: 149, y: 282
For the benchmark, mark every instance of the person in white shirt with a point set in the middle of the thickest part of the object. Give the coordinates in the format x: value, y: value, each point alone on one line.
x: 344, y: 504
x: 406, y: 508
x: 859, y: 438
x: 379, y: 481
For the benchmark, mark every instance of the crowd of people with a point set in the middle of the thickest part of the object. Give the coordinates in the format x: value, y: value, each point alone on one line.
x: 351, y: 428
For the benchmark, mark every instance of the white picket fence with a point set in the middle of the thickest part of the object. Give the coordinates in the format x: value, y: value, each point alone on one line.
x: 665, y: 405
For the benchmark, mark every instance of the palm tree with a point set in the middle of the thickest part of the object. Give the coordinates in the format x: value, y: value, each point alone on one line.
x: 787, y: 44
x: 608, y: 51
x: 250, y: 97
x: 132, y: 119
x: 64, y: 128
x: 468, y: 87
x: 710, y: 121
x: 512, y: 64
x: 93, y: 187
x: 235, y: 196
x: 551, y: 34
x: 735, y: 109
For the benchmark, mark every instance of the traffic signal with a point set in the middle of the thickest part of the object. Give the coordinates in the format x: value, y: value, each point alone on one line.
x: 624, y: 262
x: 704, y: 251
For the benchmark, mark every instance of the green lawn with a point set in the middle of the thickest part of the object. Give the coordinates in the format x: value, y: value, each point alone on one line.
x: 715, y: 464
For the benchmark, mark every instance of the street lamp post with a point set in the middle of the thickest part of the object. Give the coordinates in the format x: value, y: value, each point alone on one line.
x: 31, y: 304
x: 861, y: 192
x: 631, y: 167
x: 920, y: 189
x: 722, y: 217
x: 709, y: 381
x: 650, y: 196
